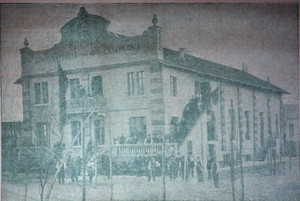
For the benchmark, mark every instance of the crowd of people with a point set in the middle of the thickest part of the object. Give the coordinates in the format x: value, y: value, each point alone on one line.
x: 176, y: 167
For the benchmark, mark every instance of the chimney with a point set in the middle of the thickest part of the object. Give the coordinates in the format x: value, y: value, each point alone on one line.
x: 181, y: 53
x: 268, y: 79
x: 245, y: 67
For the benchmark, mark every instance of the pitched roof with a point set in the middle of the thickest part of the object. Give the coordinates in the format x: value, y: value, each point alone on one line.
x: 210, y: 68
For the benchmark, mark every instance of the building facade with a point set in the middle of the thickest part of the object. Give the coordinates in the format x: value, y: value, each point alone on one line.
x: 130, y: 92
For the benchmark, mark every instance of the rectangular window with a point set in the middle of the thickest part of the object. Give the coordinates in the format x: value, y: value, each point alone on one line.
x: 137, y: 130
x: 247, y: 134
x: 277, y: 126
x: 291, y: 130
x: 41, y: 93
x: 202, y: 89
x: 135, y: 82
x: 140, y: 82
x: 211, y: 126
x: 173, y: 86
x: 130, y: 79
x: 75, y: 87
x: 76, y: 133
x: 97, y: 89
x: 37, y: 90
x: 99, y: 131
x: 262, y: 129
x: 197, y: 89
x: 226, y: 159
x: 190, y: 147
x: 42, y: 134
x: 45, y: 92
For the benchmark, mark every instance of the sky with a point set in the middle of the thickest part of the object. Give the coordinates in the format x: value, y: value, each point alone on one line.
x: 263, y: 36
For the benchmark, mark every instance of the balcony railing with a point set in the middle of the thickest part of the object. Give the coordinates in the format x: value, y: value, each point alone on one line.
x: 142, y: 149
x: 87, y: 103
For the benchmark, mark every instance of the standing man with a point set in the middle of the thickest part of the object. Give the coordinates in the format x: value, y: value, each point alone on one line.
x: 73, y: 170
x: 151, y: 169
x: 61, y: 173
x: 192, y: 164
x: 177, y: 160
x: 199, y: 169
x: 215, y: 174
x: 91, y: 170
x: 172, y: 167
x: 209, y: 165
x: 181, y: 167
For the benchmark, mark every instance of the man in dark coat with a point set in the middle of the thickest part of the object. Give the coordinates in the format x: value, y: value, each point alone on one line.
x: 177, y: 160
x: 181, y: 167
x: 215, y: 173
x: 73, y: 170
x: 61, y: 166
x: 192, y: 164
x: 172, y: 168
x: 199, y: 169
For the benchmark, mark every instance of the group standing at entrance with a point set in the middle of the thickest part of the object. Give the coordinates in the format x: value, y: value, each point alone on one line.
x: 176, y: 167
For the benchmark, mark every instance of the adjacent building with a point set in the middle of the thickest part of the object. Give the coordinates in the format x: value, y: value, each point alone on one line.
x: 130, y: 92
x: 291, y: 135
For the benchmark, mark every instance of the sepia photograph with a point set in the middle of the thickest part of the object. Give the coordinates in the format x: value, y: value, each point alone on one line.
x: 150, y: 101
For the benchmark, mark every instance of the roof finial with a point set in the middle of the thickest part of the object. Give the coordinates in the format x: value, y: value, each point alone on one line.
x: 82, y: 12
x: 154, y: 20
x: 26, y: 42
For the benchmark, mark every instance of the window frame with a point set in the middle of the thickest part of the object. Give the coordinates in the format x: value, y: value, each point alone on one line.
x: 41, y: 93
x: 247, y: 121
x: 93, y: 90
x: 74, y: 88
x: 101, y: 128
x: 173, y: 86
x: 135, y: 83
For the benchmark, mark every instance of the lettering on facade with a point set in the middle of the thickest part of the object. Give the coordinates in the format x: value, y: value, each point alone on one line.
x: 105, y: 50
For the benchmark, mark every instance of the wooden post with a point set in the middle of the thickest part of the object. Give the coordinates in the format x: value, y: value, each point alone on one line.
x: 232, y: 151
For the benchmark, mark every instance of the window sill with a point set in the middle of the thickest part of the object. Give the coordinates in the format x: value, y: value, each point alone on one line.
x: 76, y: 146
x: 137, y: 96
x: 41, y: 104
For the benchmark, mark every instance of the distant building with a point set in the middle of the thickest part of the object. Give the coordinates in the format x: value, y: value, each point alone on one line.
x: 291, y: 135
x: 132, y: 91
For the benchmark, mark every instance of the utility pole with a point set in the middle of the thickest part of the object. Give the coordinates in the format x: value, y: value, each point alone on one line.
x: 241, y: 141
x: 231, y: 149
x: 163, y: 167
x: 110, y: 153
x: 83, y: 147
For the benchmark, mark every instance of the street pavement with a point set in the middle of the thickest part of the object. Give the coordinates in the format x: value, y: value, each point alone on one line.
x: 283, y: 186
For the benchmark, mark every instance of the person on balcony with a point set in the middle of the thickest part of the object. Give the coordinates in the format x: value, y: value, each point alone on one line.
x: 122, y: 139
x: 148, y: 139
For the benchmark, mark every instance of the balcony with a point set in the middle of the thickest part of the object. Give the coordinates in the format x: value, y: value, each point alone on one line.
x: 142, y: 149
x: 88, y: 104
